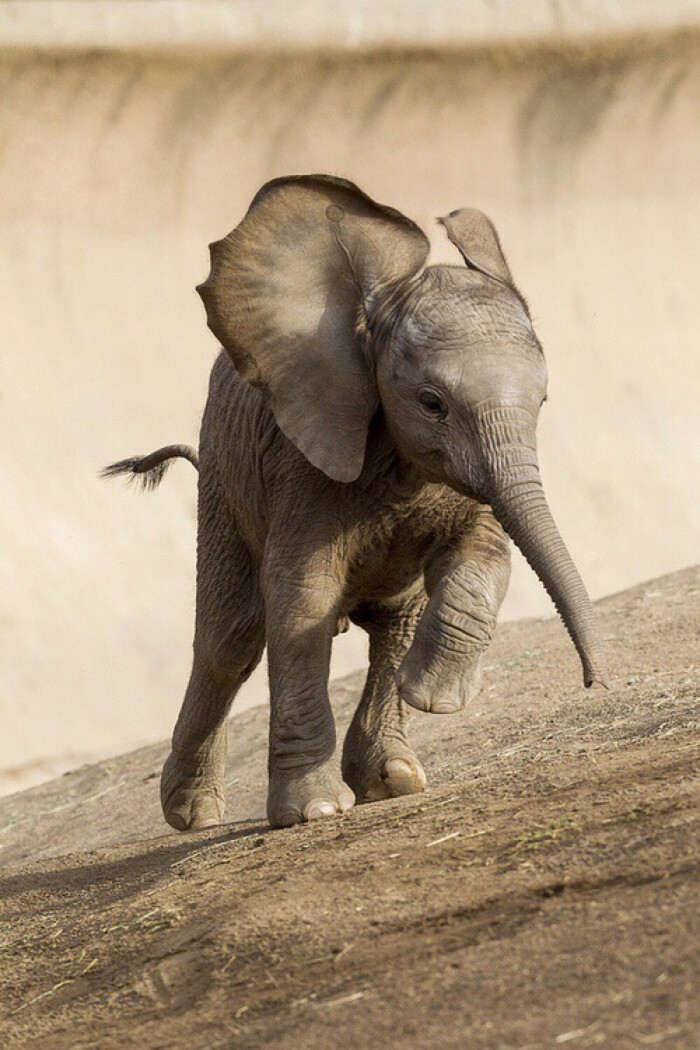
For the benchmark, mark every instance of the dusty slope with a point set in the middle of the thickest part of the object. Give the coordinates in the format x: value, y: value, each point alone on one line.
x: 540, y: 893
x: 116, y: 170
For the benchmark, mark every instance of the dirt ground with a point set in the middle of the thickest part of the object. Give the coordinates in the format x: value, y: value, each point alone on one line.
x: 542, y: 892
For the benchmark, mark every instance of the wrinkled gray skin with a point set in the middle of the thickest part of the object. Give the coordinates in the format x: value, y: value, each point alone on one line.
x: 368, y: 444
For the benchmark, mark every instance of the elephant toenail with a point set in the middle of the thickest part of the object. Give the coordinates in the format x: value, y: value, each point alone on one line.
x: 444, y: 707
x: 320, y: 809
x: 398, y: 769
x: 405, y: 777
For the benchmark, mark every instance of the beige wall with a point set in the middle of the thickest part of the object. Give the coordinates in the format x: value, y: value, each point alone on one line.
x: 116, y: 171
x: 331, y: 26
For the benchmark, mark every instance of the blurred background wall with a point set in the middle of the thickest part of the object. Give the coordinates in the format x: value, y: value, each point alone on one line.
x: 131, y: 135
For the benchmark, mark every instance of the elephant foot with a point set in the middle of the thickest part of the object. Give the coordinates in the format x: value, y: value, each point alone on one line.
x: 388, y: 778
x: 191, y: 798
x: 440, y: 691
x: 297, y: 798
x: 376, y: 773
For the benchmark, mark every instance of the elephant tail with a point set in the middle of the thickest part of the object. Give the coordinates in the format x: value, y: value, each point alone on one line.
x: 148, y: 471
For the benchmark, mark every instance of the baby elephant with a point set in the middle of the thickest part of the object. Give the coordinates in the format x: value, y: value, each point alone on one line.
x: 367, y: 448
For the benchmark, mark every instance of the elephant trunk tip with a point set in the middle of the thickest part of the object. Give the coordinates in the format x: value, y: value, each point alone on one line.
x: 597, y: 675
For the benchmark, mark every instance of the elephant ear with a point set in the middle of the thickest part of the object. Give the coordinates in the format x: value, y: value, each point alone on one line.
x: 475, y: 236
x: 285, y: 298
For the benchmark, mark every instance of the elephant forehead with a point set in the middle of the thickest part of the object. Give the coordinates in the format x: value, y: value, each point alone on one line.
x: 501, y: 377
x: 476, y: 319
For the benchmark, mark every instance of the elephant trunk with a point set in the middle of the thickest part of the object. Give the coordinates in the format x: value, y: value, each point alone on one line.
x: 519, y: 503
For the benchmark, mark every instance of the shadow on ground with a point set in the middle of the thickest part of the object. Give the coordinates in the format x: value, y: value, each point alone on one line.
x: 542, y: 892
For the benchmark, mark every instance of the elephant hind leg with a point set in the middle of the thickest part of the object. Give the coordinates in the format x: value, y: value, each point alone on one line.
x: 228, y: 644
x: 378, y: 761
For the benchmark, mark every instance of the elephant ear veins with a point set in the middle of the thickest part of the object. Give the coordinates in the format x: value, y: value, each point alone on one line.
x: 283, y: 297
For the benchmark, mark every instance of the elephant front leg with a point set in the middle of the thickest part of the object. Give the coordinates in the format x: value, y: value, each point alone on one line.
x: 304, y: 783
x: 442, y: 670
x: 378, y: 761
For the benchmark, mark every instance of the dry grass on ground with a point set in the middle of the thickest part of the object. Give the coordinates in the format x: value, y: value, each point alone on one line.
x: 542, y: 893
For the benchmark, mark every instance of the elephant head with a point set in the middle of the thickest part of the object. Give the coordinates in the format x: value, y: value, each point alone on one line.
x: 322, y: 298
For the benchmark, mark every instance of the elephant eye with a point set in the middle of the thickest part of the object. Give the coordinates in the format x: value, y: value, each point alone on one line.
x: 433, y: 404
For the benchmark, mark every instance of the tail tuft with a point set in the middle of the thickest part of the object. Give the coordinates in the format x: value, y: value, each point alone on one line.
x: 149, y: 471
x: 135, y: 474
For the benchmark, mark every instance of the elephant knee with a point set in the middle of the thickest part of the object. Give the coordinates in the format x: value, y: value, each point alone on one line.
x: 231, y: 655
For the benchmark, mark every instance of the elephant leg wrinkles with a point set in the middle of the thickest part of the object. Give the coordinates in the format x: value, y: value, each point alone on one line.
x: 467, y: 583
x: 303, y: 604
x: 229, y: 642
x: 378, y: 761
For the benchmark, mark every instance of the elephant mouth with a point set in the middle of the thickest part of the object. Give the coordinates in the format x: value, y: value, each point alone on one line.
x: 461, y: 474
